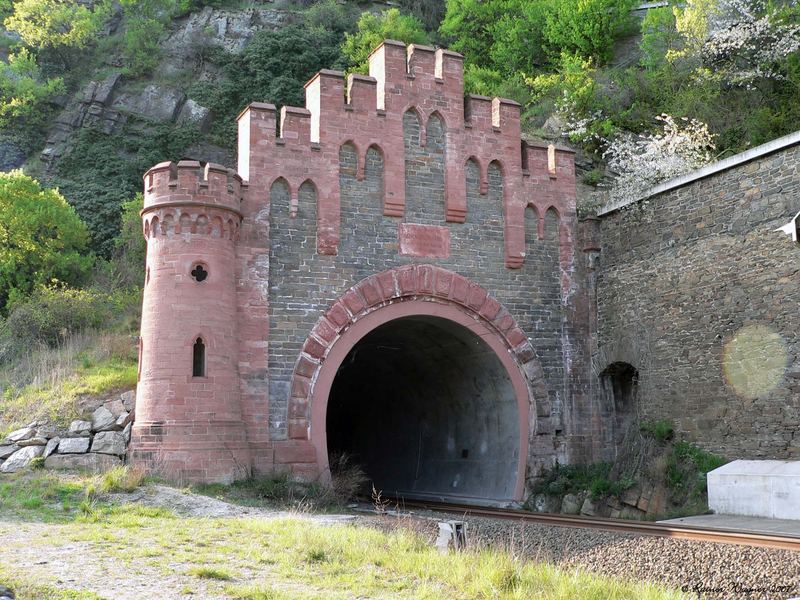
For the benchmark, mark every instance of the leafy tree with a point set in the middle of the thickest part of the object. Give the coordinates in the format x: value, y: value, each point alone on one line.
x: 57, y: 23
x: 643, y: 161
x: 660, y: 37
x: 331, y: 15
x: 430, y: 12
x: 588, y: 27
x: 130, y: 249
x: 103, y: 171
x: 23, y: 90
x: 41, y: 238
x: 272, y: 68
x: 145, y: 22
x: 373, y: 29
x: 470, y: 26
x: 518, y: 38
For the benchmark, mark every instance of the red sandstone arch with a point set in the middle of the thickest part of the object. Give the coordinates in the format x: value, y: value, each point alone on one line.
x: 400, y: 292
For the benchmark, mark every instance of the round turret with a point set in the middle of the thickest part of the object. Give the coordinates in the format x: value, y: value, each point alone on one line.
x: 188, y: 415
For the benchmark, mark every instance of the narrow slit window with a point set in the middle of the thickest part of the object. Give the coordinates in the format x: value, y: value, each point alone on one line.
x: 199, y: 358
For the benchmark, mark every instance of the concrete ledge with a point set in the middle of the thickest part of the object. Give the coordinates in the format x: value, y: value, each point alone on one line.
x: 775, y: 145
x: 756, y: 488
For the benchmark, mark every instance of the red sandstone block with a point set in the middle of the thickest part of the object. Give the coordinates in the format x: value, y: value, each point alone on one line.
x: 476, y: 296
x: 306, y: 367
x: 301, y: 387
x: 460, y: 288
x: 407, y: 280
x: 524, y: 352
x: 516, y: 336
x: 444, y: 281
x: 504, y: 321
x: 425, y: 279
x: 339, y: 317
x: 298, y: 408
x: 295, y: 452
x: 324, y: 330
x: 353, y: 302
x: 314, y: 348
x: 490, y: 309
x: 298, y: 430
x: 369, y: 290
x: 387, y: 284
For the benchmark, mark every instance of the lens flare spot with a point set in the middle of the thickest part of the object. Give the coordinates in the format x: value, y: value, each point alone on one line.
x: 754, y: 360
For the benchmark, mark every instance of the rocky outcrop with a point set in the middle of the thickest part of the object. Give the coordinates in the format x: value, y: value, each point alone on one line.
x: 21, y: 459
x: 108, y: 103
x: 634, y: 503
x: 93, y: 445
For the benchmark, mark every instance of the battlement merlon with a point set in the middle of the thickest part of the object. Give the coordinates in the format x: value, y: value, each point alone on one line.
x: 189, y: 182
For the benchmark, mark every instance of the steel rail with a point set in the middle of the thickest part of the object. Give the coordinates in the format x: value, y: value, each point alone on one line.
x: 688, y: 532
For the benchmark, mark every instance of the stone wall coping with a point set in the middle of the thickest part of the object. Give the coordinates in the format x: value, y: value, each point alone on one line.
x: 781, y: 143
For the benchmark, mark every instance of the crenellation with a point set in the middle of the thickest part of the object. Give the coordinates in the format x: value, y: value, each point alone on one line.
x: 421, y: 63
x: 295, y: 125
x: 449, y: 67
x: 361, y: 93
x: 478, y: 113
x: 505, y: 116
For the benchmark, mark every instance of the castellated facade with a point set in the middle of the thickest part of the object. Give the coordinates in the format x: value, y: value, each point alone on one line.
x: 390, y: 271
x: 390, y: 275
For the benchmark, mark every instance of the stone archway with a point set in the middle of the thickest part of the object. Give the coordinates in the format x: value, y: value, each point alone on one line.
x: 437, y: 298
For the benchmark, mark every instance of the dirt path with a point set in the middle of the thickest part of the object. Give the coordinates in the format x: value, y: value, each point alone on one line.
x: 47, y: 554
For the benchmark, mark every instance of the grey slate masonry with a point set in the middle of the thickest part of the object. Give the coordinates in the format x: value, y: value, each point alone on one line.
x: 681, y: 273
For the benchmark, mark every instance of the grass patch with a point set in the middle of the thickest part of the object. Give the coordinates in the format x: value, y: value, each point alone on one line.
x: 210, y: 573
x: 282, y: 490
x: 309, y: 560
x: 660, y: 429
x: 47, y: 383
x: 121, y: 479
x: 570, y: 479
x: 687, y: 467
x: 295, y: 557
x: 25, y: 588
x: 59, y: 498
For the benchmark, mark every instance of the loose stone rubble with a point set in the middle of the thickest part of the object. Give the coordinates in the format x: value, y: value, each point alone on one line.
x: 95, y: 443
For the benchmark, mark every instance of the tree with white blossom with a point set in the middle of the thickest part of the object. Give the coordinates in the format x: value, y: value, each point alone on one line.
x: 643, y: 161
x: 740, y: 40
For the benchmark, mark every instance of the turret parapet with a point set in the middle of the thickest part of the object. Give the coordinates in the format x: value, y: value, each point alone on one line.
x: 189, y: 197
x: 295, y: 124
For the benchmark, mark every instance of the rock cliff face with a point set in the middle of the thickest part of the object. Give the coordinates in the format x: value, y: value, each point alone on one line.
x: 109, y: 101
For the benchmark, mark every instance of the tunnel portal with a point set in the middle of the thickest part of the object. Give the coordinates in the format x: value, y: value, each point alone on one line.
x: 428, y: 410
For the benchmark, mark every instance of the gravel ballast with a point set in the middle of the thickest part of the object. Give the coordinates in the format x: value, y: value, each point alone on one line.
x: 707, y: 569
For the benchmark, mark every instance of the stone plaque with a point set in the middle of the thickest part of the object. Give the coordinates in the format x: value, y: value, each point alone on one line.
x: 427, y: 241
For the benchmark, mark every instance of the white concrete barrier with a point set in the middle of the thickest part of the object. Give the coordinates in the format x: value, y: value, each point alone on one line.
x: 756, y: 488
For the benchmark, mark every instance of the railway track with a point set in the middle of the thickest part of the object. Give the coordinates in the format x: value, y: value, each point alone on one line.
x: 689, y: 532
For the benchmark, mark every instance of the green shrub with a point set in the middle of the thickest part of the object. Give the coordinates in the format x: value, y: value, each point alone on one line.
x: 588, y: 28
x: 468, y: 26
x: 102, y: 171
x: 272, y: 68
x: 144, y: 23
x: 130, y: 247
x: 593, y: 177
x: 567, y: 479
x: 41, y: 238
x: 373, y: 29
x: 24, y: 92
x: 333, y: 16
x: 660, y: 429
x: 58, y: 23
x: 53, y: 312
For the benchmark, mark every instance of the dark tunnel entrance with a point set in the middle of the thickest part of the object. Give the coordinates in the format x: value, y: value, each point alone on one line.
x: 428, y: 410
